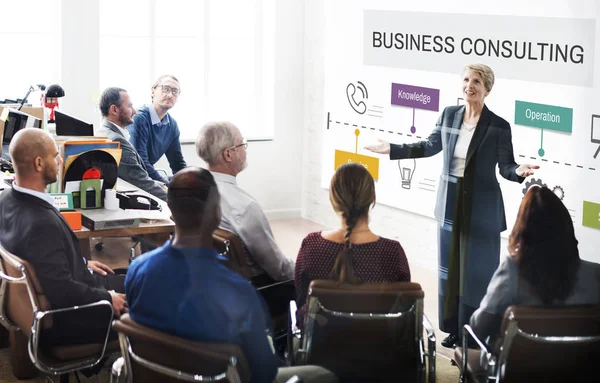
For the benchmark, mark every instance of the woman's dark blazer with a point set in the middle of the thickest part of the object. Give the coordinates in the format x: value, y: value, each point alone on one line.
x: 491, y: 145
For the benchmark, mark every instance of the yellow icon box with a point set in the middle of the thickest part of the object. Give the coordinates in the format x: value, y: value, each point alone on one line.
x: 370, y: 163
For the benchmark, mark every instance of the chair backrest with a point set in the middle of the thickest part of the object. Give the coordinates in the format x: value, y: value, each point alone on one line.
x: 549, y: 344
x: 166, y: 351
x: 230, y: 246
x: 23, y: 294
x: 364, y: 332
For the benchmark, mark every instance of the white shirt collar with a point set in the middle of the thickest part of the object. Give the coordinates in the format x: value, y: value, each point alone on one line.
x: 222, y: 177
x: 43, y: 196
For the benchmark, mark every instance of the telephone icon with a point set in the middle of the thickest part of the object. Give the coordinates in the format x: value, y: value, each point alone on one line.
x: 356, y: 95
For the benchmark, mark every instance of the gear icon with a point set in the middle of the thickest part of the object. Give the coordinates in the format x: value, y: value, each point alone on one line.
x: 559, y: 191
x: 533, y: 182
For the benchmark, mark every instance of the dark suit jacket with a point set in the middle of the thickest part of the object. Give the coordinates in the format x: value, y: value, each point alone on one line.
x: 131, y: 167
x: 35, y: 231
x: 491, y: 145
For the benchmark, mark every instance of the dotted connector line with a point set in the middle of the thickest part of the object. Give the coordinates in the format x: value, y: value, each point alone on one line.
x: 557, y: 162
x: 371, y: 128
x: 419, y: 137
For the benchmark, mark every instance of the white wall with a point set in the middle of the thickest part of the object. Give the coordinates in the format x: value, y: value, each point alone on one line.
x: 273, y: 175
x: 79, y: 58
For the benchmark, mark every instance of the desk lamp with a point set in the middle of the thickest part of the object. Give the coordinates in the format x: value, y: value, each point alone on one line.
x: 32, y: 88
x: 51, y: 97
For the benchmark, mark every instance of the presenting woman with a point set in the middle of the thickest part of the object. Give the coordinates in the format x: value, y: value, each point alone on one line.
x: 469, y: 204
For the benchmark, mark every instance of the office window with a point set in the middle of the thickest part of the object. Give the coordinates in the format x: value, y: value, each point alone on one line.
x: 125, y: 42
x: 30, y: 39
x: 220, y: 50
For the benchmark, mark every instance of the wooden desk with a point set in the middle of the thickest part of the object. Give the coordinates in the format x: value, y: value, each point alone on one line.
x: 155, y: 226
x: 146, y: 226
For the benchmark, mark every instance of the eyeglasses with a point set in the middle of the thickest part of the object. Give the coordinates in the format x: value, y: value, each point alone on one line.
x: 167, y: 89
x: 244, y: 144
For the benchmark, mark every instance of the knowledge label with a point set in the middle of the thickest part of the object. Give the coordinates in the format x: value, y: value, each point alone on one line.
x: 544, y: 116
x: 416, y: 97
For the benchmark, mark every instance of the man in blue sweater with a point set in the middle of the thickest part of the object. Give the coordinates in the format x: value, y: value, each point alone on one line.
x: 154, y: 131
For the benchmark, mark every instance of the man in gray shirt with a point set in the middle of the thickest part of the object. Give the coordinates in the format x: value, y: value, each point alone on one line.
x: 118, y: 111
x: 222, y: 147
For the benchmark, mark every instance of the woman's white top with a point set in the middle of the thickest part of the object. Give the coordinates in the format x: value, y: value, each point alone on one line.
x: 457, y: 168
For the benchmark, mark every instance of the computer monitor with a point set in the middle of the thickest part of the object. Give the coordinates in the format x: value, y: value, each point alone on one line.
x: 16, y: 121
x: 70, y: 126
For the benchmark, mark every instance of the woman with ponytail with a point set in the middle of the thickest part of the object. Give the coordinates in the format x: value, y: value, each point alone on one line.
x: 352, y: 253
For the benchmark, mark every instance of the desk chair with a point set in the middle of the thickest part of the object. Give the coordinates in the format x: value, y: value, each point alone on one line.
x: 367, y: 332
x: 541, y: 344
x: 26, y: 312
x: 276, y: 294
x: 230, y: 246
x: 152, y: 356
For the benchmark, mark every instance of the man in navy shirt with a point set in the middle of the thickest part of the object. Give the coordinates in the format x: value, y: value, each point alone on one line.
x: 184, y: 289
x: 154, y: 131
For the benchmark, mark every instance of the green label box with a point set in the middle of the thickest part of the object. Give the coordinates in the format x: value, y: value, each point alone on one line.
x: 544, y: 116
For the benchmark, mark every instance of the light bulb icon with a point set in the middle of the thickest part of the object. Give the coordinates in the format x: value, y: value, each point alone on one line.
x: 407, y: 170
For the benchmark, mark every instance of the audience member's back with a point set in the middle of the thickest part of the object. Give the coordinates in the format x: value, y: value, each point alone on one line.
x: 351, y: 253
x: 184, y: 289
x: 195, y: 296
x: 543, y: 268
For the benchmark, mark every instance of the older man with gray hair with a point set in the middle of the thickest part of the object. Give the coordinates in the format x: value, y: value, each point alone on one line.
x: 222, y: 147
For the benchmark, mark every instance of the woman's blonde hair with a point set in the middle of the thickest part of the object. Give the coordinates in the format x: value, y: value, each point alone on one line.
x: 485, y: 72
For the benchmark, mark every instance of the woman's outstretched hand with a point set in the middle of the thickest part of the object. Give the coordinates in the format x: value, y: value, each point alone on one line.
x: 525, y: 170
x: 381, y: 147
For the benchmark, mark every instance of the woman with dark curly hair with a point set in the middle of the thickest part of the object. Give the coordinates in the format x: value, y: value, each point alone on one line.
x: 543, y: 268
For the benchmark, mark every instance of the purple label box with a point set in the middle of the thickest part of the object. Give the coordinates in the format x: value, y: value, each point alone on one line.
x: 416, y: 97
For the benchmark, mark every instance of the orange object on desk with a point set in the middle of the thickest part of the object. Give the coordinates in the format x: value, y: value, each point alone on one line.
x: 73, y: 218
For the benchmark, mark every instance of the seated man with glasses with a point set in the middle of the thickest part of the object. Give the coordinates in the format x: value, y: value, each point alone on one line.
x: 154, y: 131
x: 221, y: 146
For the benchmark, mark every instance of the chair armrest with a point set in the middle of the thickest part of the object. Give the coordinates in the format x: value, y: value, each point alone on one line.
x: 430, y: 354
x: 163, y: 173
x: 273, y: 285
x: 116, y: 370
x: 8, y: 278
x: 4, y: 319
x: 489, y: 357
x: 293, y: 320
x: 292, y: 332
x: 34, y: 339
